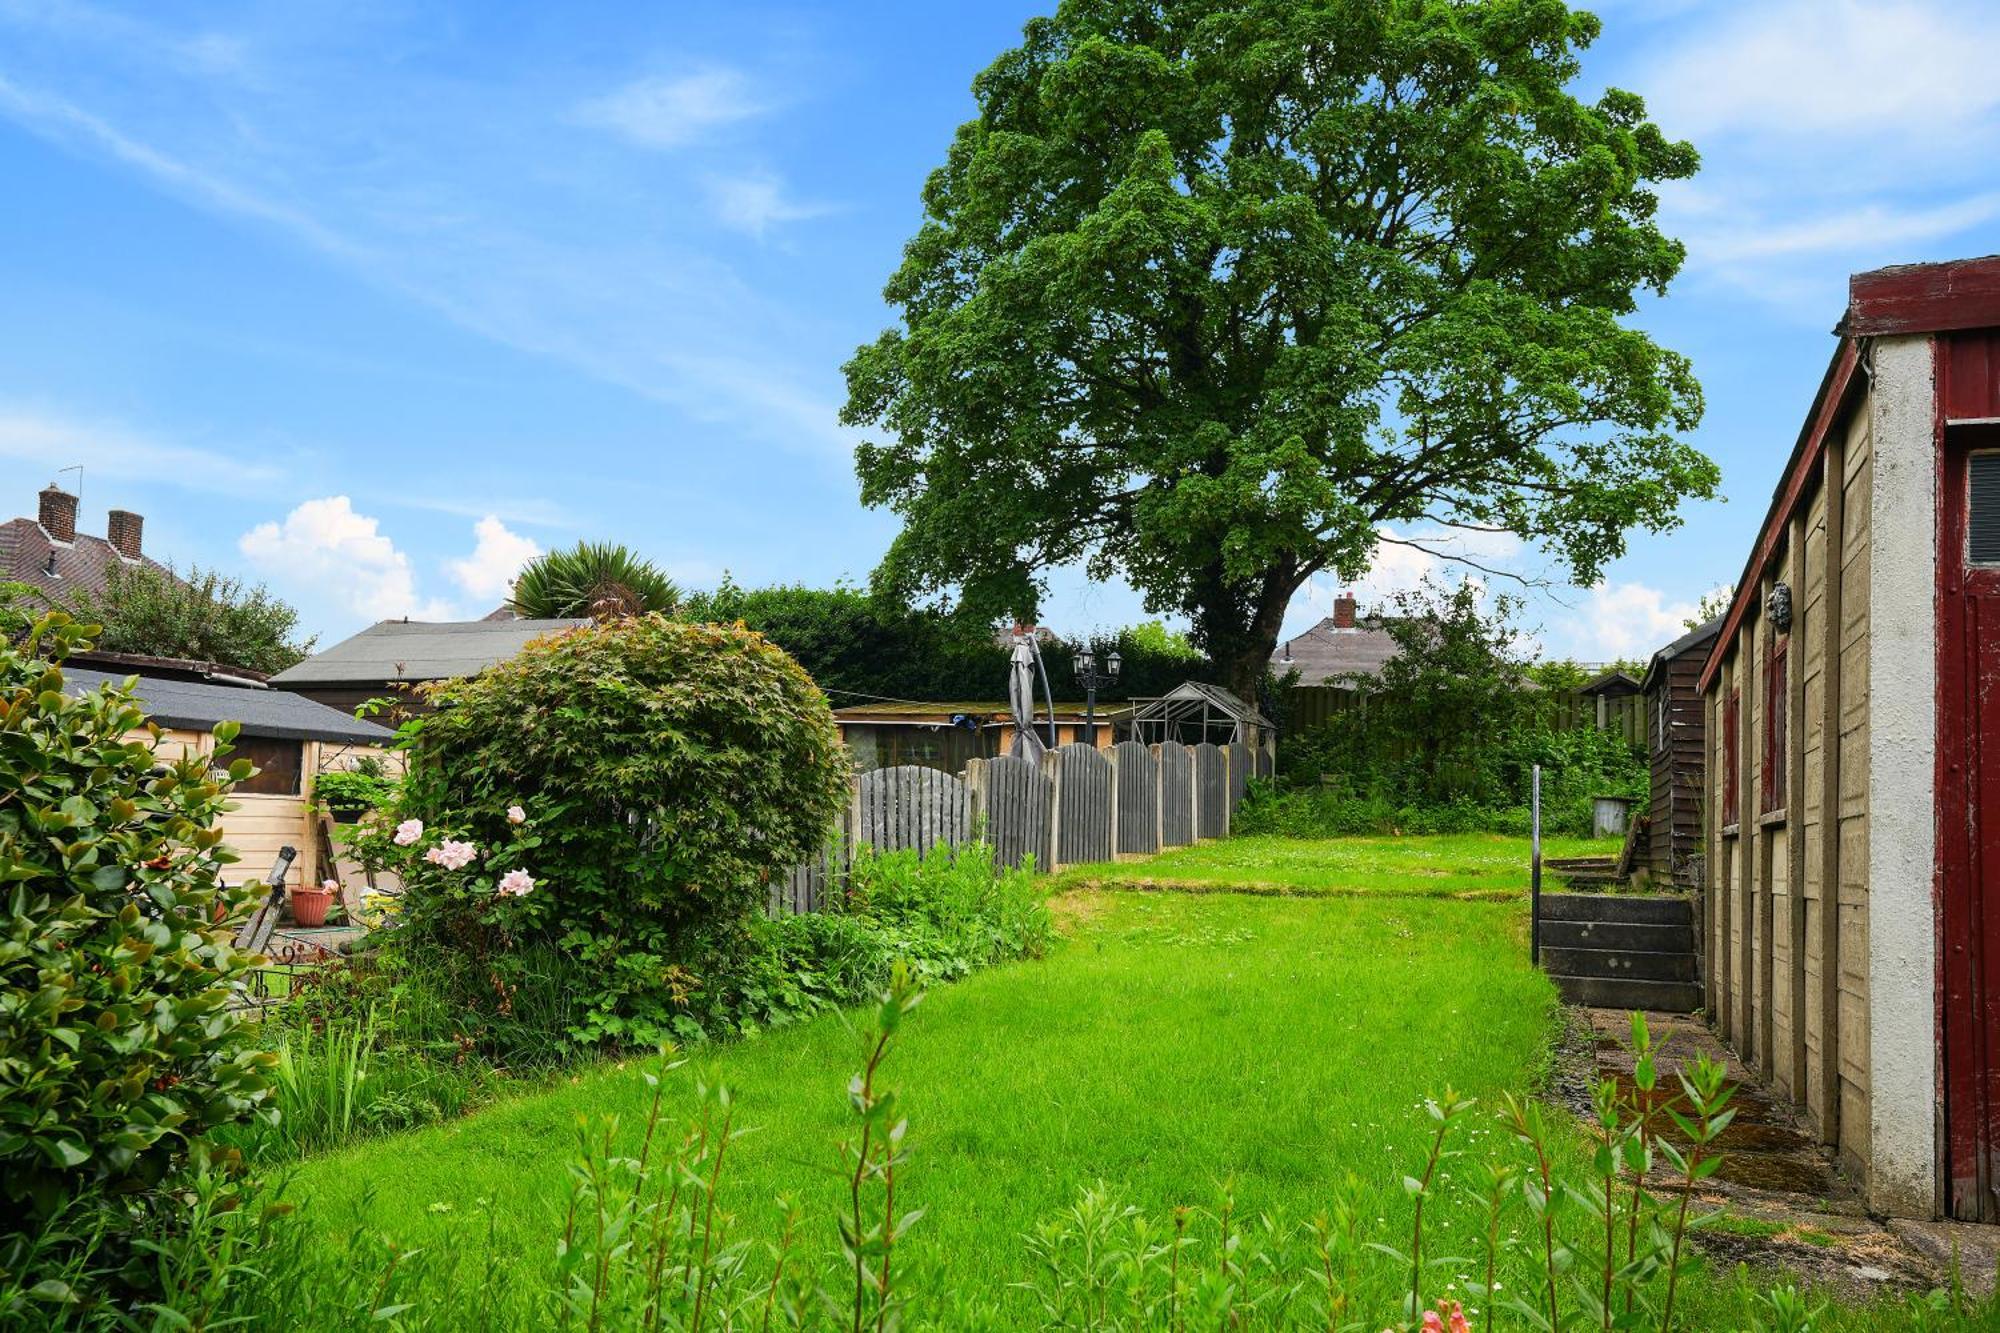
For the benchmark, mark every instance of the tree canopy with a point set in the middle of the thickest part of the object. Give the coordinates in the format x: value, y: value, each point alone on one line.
x: 203, y: 615
x: 1217, y: 294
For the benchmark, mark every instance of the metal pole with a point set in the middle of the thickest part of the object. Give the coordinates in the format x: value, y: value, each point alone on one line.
x: 1090, y: 709
x: 1535, y: 873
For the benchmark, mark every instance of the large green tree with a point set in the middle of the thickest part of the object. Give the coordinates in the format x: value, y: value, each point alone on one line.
x: 1218, y: 294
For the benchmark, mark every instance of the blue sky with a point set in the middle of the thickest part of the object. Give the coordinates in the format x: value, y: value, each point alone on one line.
x: 369, y: 301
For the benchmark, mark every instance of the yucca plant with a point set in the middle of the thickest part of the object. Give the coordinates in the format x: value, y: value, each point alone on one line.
x: 602, y: 580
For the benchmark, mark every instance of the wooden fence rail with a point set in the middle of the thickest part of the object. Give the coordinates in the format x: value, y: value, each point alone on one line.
x: 1077, y: 805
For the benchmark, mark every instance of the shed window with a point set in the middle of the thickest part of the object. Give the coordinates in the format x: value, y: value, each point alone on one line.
x: 279, y: 765
x: 1773, y: 785
x: 1982, y: 508
x: 1732, y: 712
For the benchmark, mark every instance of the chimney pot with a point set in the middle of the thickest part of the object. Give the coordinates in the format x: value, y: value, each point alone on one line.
x: 1343, y: 611
x: 125, y: 532
x: 58, y: 513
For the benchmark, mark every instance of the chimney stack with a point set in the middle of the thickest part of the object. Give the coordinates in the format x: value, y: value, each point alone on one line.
x: 1343, y: 611
x: 124, y: 532
x: 58, y: 513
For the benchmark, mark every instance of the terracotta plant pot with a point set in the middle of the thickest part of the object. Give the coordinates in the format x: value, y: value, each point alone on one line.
x: 309, y: 906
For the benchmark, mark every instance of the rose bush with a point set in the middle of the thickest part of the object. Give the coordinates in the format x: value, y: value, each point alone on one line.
x: 610, y: 795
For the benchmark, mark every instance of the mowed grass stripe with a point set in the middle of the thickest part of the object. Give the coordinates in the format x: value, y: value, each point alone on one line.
x: 1172, y: 1043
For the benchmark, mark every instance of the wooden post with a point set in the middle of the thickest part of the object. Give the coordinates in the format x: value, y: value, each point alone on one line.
x: 1228, y: 787
x: 1835, y: 482
x: 1159, y: 798
x: 1795, y: 798
x: 1052, y: 766
x: 1111, y: 756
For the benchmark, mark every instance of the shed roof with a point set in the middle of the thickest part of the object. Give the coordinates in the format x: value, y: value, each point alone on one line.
x: 911, y: 712
x: 199, y: 705
x: 1612, y: 684
x: 406, y: 650
x: 1695, y: 639
x: 1330, y: 650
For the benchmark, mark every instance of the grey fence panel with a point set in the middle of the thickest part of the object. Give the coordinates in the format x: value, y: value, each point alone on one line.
x: 1176, y: 794
x: 1267, y: 759
x: 1083, y: 806
x: 907, y: 808
x: 804, y: 888
x: 1138, y: 799
x: 1240, y: 765
x: 1016, y: 810
x: 1211, y: 781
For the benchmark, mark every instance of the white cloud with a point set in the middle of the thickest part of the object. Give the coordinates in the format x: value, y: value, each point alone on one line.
x: 498, y: 554
x: 53, y: 440
x: 757, y: 202
x: 1624, y: 620
x: 326, y: 550
x: 1813, y: 67
x: 676, y: 111
x: 1837, y: 135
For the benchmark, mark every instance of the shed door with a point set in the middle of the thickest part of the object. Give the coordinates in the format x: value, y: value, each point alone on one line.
x: 1968, y: 808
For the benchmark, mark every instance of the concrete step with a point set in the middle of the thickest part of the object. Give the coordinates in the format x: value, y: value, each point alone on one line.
x: 1617, y: 935
x: 1671, y: 997
x: 1620, y: 964
x: 1633, y: 909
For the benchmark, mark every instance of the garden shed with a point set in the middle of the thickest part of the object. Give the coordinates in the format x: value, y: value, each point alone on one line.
x: 1674, y: 732
x: 292, y: 740
x: 946, y: 735
x: 1852, y: 711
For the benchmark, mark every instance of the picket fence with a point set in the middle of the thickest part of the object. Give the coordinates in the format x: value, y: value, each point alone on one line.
x: 1076, y: 805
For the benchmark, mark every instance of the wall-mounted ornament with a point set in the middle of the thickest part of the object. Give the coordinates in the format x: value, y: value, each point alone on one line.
x: 1778, y: 607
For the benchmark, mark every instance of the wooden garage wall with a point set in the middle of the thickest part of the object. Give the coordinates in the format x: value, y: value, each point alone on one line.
x: 1676, y: 756
x: 1787, y: 978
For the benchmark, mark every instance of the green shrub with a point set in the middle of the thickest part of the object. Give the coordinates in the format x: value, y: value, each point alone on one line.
x: 942, y: 915
x: 660, y: 775
x: 118, y: 1052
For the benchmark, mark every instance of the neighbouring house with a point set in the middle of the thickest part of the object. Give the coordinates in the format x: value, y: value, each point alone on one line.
x: 1331, y: 658
x: 1674, y: 731
x: 47, y: 553
x: 945, y: 735
x: 291, y: 740
x: 389, y: 657
x: 1852, y: 700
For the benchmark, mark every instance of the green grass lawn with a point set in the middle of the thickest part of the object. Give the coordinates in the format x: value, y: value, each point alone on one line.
x: 1282, y: 1044
x: 1483, y: 864
x: 1171, y: 1044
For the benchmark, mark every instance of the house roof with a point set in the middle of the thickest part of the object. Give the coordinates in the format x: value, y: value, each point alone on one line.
x: 911, y: 713
x: 199, y: 705
x: 407, y: 650
x: 81, y: 566
x: 1696, y: 638
x: 1329, y: 650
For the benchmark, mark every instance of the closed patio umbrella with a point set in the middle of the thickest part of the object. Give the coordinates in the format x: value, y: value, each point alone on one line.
x: 1021, y: 699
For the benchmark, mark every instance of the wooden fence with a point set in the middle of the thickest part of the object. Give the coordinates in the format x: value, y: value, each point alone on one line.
x: 1077, y: 805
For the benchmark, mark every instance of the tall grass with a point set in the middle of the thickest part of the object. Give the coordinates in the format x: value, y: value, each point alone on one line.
x: 339, y: 1079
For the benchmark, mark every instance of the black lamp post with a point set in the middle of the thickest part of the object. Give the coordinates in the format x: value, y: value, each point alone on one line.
x: 1088, y: 676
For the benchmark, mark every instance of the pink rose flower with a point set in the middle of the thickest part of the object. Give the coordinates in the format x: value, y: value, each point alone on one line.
x: 408, y: 832
x: 516, y: 815
x: 452, y: 855
x: 515, y: 883
x: 330, y: 885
